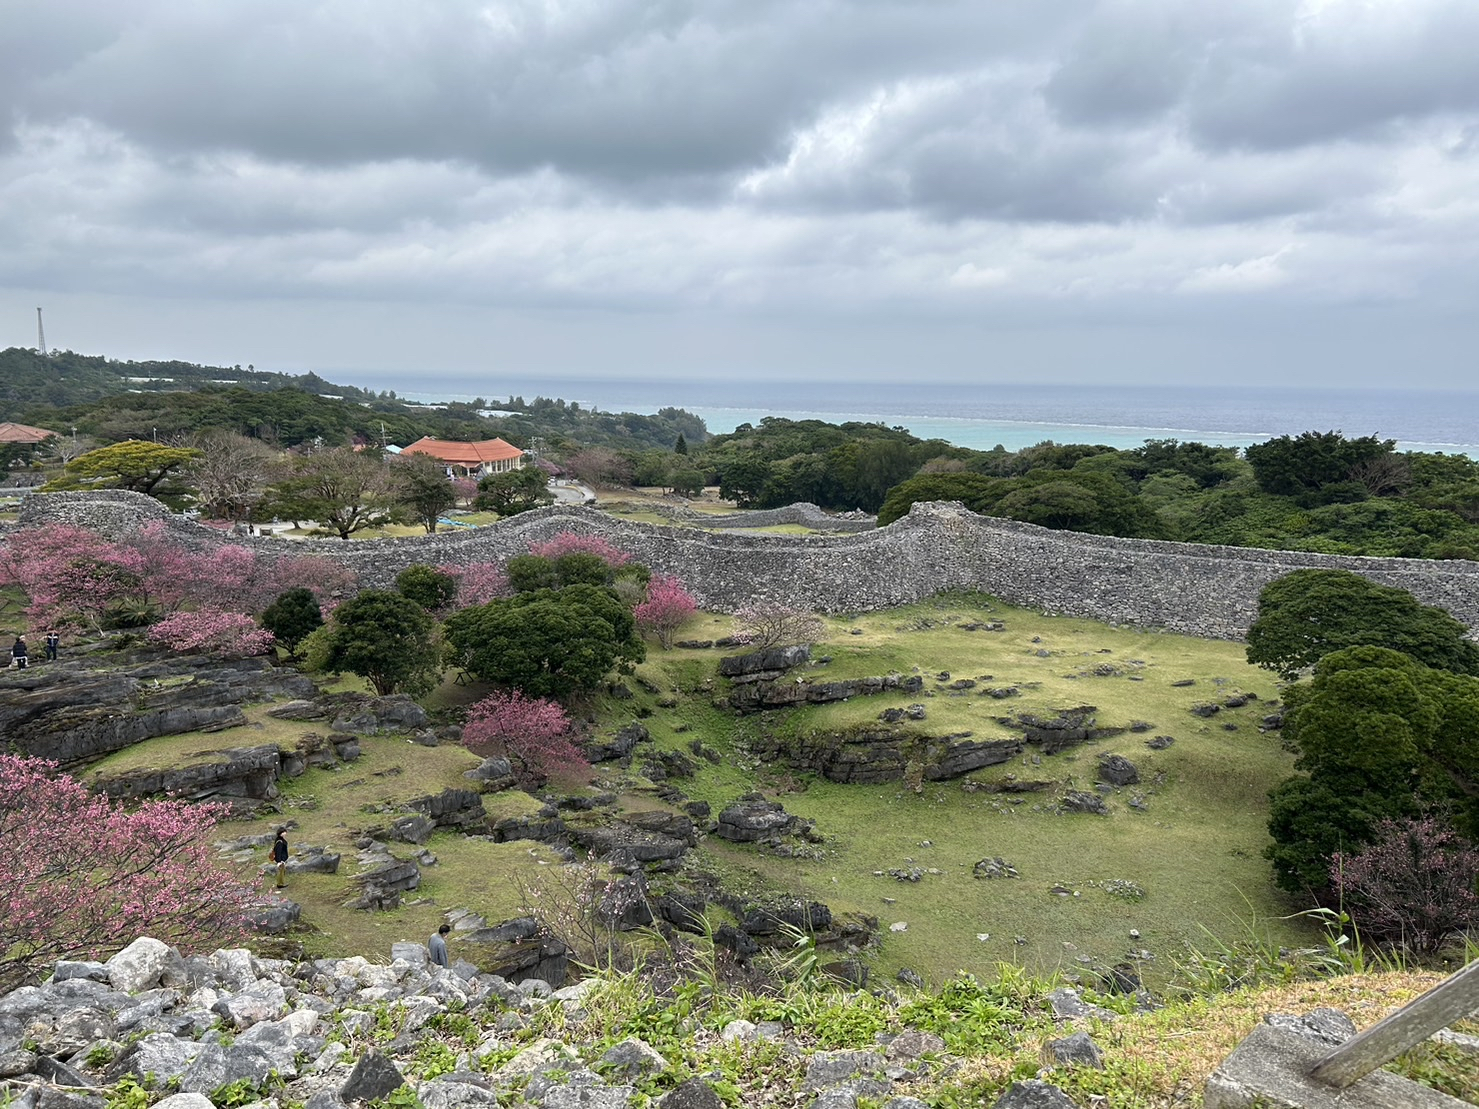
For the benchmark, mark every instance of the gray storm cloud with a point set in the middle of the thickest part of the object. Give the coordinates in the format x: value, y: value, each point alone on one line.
x: 935, y: 161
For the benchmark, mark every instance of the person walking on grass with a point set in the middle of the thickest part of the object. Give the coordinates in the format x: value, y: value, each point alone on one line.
x: 280, y: 856
x: 53, y: 641
x: 437, y: 946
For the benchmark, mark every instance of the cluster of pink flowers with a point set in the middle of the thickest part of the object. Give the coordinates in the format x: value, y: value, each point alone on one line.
x: 1414, y: 883
x: 478, y: 583
x: 533, y: 730
x: 222, y: 634
x: 82, y: 877
x: 567, y: 542
x: 74, y: 576
x: 667, y: 608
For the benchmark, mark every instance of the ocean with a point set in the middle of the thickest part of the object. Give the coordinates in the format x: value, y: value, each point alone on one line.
x: 1016, y: 416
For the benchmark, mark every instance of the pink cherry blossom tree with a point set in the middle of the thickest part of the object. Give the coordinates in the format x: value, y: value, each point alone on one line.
x: 213, y: 632
x: 478, y: 583
x: 1414, y: 883
x: 533, y: 730
x: 568, y: 542
x: 81, y: 877
x: 326, y: 578
x: 667, y: 608
x: 74, y: 577
x: 465, y: 489
x: 71, y: 576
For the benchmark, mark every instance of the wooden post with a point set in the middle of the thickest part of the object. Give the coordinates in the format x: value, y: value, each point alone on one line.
x: 1449, y: 1001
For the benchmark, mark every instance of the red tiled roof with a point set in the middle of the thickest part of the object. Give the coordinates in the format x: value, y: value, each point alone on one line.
x: 20, y: 433
x: 465, y: 454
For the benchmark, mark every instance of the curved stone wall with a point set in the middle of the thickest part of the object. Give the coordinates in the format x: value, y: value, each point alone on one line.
x: 804, y: 513
x: 1184, y: 587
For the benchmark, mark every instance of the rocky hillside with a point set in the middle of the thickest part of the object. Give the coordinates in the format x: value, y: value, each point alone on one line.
x: 230, y: 1030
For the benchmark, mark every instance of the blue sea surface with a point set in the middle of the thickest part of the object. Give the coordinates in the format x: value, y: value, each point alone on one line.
x: 982, y: 416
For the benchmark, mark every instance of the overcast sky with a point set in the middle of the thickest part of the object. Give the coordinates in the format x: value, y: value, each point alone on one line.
x: 1260, y: 191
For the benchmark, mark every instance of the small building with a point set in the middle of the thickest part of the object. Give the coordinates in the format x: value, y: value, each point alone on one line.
x: 491, y: 456
x: 21, y: 433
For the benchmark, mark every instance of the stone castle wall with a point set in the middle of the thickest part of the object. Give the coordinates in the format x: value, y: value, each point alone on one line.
x: 1192, y: 588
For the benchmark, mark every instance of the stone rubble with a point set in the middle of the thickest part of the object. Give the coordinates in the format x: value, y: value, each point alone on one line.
x: 230, y: 1030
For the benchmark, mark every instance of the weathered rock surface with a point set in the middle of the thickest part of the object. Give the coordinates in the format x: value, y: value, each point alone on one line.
x: 766, y: 665
x: 761, y: 695
x: 1058, y: 733
x: 617, y: 746
x: 74, y: 711
x: 876, y: 753
x: 1118, y: 770
x: 752, y: 819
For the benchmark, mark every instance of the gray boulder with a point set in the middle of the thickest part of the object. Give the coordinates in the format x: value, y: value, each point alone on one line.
x: 618, y: 746
x: 1034, y: 1094
x: 588, y: 1097
x: 828, y: 1068
x: 763, y: 665
x: 1078, y: 800
x: 692, y: 1094
x: 1077, y: 1050
x: 752, y: 818
x: 380, y: 715
x: 159, y: 1053
x: 139, y: 966
x: 373, y: 1077
x: 275, y: 916
x: 447, y: 1092
x: 258, y: 1002
x: 186, y: 1100
x: 93, y: 972
x: 633, y: 1058
x: 215, y: 1067
x: 1118, y: 770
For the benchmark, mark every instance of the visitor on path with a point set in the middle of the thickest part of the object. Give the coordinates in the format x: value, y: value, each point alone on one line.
x: 53, y: 641
x: 280, y: 856
x: 18, y: 653
x: 437, y: 946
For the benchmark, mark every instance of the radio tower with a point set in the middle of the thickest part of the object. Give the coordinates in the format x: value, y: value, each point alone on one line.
x: 40, y: 335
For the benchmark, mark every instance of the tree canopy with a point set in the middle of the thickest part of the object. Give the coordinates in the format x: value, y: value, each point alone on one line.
x: 1379, y: 736
x: 514, y: 491
x: 384, y: 637
x: 422, y: 488
x: 1308, y: 614
x: 344, y: 490
x: 135, y: 464
x: 547, y: 642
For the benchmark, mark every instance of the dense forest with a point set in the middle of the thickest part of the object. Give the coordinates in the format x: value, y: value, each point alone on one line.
x: 108, y: 401
x: 1318, y: 491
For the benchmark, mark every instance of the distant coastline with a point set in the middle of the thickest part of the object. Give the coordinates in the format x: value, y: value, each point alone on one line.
x: 1017, y: 416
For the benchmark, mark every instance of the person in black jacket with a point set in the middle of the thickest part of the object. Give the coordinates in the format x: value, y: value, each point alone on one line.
x: 18, y: 656
x: 280, y: 856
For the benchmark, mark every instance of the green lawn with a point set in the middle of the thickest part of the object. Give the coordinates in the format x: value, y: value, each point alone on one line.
x: 1195, y: 847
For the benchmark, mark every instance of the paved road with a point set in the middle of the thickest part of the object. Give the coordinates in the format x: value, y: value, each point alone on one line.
x: 572, y: 492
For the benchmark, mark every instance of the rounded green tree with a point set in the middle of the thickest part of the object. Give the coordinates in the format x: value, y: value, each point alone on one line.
x: 1306, y: 615
x: 547, y: 643
x: 293, y: 617
x: 384, y: 637
x: 427, y: 586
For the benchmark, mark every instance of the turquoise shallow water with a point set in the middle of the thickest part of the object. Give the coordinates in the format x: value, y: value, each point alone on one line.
x: 981, y: 416
x: 983, y: 434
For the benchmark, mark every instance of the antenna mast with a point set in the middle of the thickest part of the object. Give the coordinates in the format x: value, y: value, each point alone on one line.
x: 40, y: 335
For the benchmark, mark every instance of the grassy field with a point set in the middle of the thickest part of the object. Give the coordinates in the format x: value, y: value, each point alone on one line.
x: 1194, y: 847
